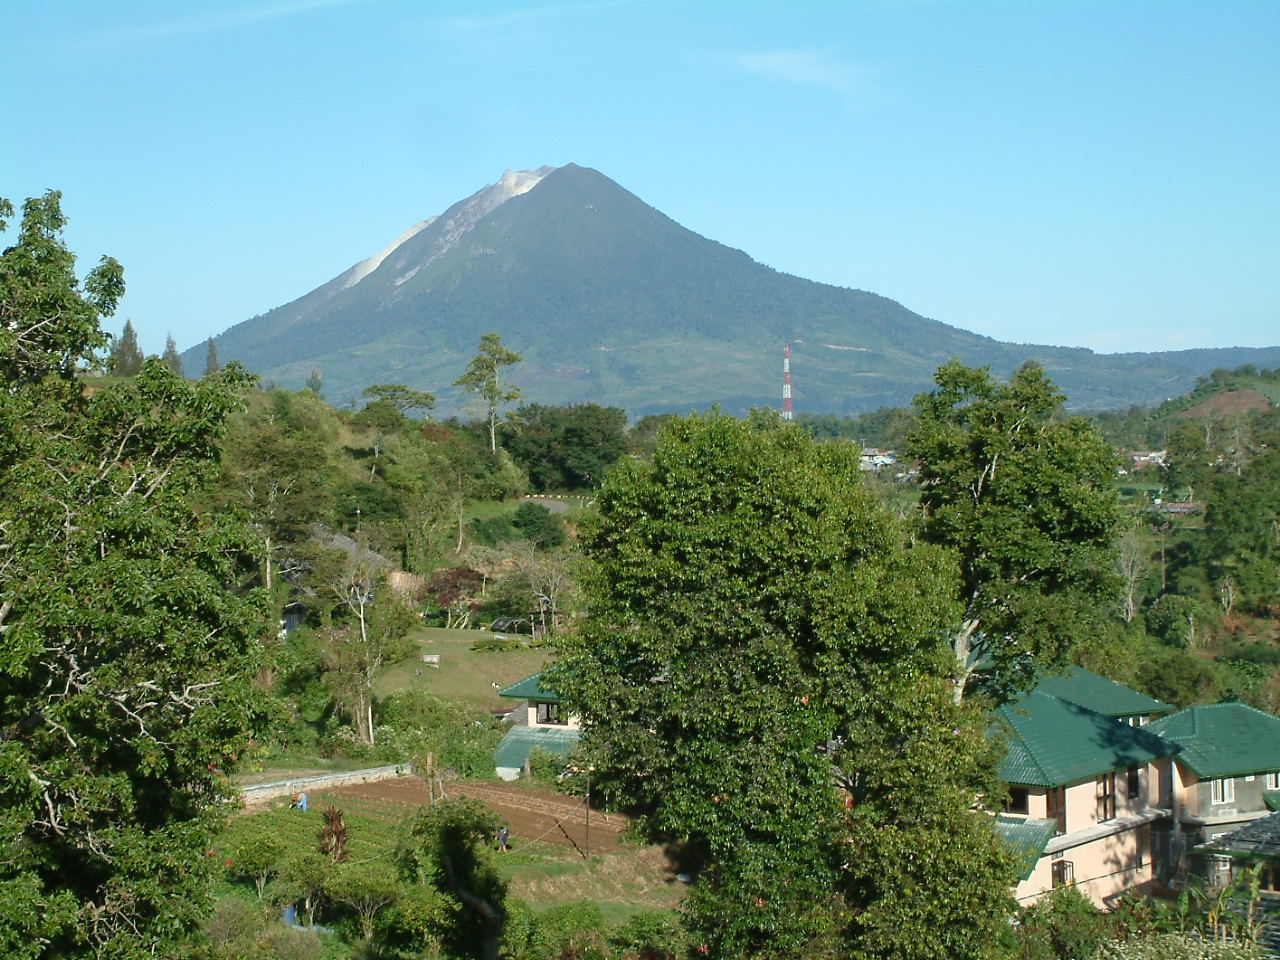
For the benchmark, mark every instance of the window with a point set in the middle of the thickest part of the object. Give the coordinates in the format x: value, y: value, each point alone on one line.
x: 1056, y: 800
x: 1133, y: 783
x: 1273, y: 780
x: 1019, y: 801
x: 1106, y: 795
x: 1271, y: 878
x: 1064, y: 873
x: 549, y: 713
x: 1223, y: 790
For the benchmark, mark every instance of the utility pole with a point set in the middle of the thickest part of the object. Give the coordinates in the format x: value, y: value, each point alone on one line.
x: 786, y: 382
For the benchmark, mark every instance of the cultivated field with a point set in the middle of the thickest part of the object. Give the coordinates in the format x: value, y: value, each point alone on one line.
x: 552, y: 860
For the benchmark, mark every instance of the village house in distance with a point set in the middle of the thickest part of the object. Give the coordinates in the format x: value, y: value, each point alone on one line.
x: 541, y: 725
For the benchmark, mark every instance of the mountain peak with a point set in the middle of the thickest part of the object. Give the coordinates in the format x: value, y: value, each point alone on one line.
x: 611, y: 301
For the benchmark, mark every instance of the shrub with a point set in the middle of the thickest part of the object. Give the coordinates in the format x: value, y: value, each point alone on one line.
x: 546, y: 766
x: 652, y: 935
x: 1063, y: 925
x: 1175, y: 946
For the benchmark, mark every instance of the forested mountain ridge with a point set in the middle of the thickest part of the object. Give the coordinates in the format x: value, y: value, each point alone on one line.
x: 611, y: 301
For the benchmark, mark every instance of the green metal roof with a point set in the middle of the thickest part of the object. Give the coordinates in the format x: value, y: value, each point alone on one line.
x: 520, y: 741
x: 1087, y: 689
x: 1272, y: 799
x: 1259, y: 840
x: 1028, y: 838
x: 530, y: 688
x: 1055, y: 742
x: 1223, y: 739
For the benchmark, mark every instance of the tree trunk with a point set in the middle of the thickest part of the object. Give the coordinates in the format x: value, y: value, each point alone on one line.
x: 962, y: 645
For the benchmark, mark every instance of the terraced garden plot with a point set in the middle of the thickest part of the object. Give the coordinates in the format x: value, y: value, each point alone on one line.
x: 549, y: 862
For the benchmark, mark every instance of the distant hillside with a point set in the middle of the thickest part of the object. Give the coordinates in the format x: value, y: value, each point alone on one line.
x: 611, y: 301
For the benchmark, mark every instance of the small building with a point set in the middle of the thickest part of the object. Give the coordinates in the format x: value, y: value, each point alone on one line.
x: 1257, y: 842
x: 1227, y: 773
x: 1083, y: 776
x: 541, y: 724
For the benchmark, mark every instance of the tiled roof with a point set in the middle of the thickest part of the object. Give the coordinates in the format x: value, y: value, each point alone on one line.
x: 1087, y: 689
x: 530, y: 688
x: 521, y: 740
x: 1259, y: 839
x: 1028, y: 837
x: 1223, y: 739
x: 1055, y: 742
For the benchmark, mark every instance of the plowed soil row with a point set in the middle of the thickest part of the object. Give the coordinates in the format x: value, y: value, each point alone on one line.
x: 533, y: 815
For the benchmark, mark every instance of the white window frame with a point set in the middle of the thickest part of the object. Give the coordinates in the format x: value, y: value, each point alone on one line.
x: 1273, y: 780
x: 1222, y: 790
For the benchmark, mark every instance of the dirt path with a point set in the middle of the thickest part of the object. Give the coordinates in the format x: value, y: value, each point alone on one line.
x: 533, y: 815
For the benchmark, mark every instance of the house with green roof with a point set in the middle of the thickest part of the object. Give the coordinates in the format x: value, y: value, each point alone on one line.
x: 1080, y: 686
x: 541, y: 724
x: 1227, y: 773
x: 1083, y: 779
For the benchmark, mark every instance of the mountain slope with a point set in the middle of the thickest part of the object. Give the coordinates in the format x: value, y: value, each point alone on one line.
x: 611, y: 301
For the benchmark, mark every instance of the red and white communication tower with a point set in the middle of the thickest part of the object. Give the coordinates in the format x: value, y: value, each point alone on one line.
x: 786, y: 381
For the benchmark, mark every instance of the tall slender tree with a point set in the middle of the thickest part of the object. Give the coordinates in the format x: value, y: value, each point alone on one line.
x: 172, y: 359
x: 483, y: 378
x: 125, y: 359
x: 211, y: 359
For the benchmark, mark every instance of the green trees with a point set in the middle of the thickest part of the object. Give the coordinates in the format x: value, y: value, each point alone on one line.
x: 400, y: 397
x: 125, y: 359
x: 483, y: 378
x: 448, y: 849
x: 211, y: 364
x: 172, y: 359
x: 127, y: 645
x: 567, y: 448
x: 761, y: 676
x: 1026, y: 500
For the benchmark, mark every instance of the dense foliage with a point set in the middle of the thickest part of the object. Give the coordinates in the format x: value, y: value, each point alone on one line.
x: 1027, y: 502
x: 760, y: 677
x: 127, y: 641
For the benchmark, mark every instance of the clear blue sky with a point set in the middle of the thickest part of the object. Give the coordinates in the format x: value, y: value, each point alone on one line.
x: 1095, y: 174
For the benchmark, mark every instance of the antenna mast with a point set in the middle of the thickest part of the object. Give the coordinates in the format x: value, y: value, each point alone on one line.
x: 786, y: 382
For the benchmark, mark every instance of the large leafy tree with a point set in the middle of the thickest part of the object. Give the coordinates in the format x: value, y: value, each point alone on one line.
x: 567, y: 448
x: 483, y: 377
x: 761, y: 677
x: 1025, y: 497
x: 127, y: 647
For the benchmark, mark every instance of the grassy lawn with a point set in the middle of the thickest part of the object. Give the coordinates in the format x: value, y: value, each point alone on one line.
x: 464, y: 675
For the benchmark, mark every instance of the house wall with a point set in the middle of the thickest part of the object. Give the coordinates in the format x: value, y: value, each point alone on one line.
x: 1082, y: 799
x: 1103, y: 868
x: 571, y: 723
x: 1248, y: 797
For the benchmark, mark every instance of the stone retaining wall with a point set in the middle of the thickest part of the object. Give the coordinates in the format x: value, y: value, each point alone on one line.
x: 261, y: 792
